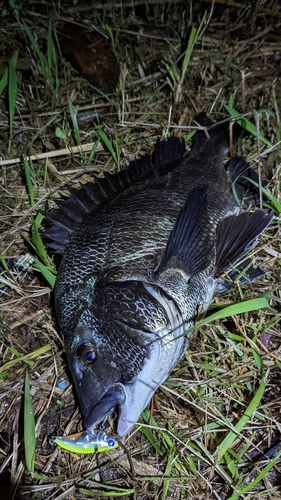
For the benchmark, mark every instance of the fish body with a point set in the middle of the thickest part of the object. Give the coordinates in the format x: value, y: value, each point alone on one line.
x: 87, y: 442
x: 143, y: 252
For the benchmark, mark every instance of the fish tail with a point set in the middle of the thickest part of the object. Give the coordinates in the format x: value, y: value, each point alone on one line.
x: 220, y: 134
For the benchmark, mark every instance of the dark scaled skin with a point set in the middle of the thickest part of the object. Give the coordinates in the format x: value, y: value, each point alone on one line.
x: 110, y: 295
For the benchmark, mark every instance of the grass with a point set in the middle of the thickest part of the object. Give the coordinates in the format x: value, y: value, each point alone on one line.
x: 9, y: 81
x: 46, y: 61
x: 115, y: 153
x: 29, y: 427
x: 42, y: 260
x: 275, y: 203
x: 247, y: 125
x: 221, y: 403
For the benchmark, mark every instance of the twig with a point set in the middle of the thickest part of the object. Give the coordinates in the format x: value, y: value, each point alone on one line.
x: 54, y: 154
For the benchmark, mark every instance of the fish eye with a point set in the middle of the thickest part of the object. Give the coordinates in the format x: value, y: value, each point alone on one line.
x: 86, y: 352
x: 111, y: 442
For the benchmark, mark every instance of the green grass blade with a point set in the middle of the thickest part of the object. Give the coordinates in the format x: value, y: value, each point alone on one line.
x: 46, y: 269
x: 241, y: 491
x: 108, y: 145
x: 17, y: 354
x: 168, y: 472
x: 258, y: 360
x: 35, y: 46
x: 274, y: 201
x: 4, y: 262
x: 47, y: 273
x: 4, y: 81
x: 14, y: 58
x: 106, y: 494
x: 188, y: 136
x: 29, y: 427
x: 13, y: 7
x: 231, y: 466
x: 111, y: 35
x: 194, y: 34
x: 93, y: 152
x: 46, y: 64
x: 267, y: 112
x: 38, y: 242
x: 50, y: 46
x: 239, y: 308
x: 115, y: 491
x: 191, y: 42
x: 73, y: 115
x: 248, y: 413
x: 25, y: 358
x: 192, y: 465
x: 52, y: 63
x: 173, y: 71
x: 152, y: 439
x: 12, y: 93
x: 246, y: 124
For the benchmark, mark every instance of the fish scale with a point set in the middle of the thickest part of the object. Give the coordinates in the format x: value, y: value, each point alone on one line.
x: 142, y: 257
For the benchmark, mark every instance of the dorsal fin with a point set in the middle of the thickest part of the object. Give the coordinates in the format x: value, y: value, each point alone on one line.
x: 167, y: 155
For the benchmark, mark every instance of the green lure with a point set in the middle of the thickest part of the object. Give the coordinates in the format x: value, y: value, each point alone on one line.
x: 87, y: 442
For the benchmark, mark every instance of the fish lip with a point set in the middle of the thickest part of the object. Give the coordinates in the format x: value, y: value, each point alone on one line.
x: 115, y: 396
x: 120, y: 398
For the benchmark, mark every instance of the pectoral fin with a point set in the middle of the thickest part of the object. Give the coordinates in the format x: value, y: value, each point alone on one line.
x: 236, y: 237
x: 189, y: 245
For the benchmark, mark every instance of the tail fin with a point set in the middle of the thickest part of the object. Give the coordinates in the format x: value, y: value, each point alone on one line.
x: 219, y: 133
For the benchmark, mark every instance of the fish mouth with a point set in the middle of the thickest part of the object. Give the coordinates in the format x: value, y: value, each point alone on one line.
x: 126, y: 400
x: 113, y: 398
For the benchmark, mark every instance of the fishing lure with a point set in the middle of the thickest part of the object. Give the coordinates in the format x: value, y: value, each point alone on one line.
x: 87, y: 442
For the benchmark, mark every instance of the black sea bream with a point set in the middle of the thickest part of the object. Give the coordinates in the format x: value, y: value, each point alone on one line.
x: 143, y: 252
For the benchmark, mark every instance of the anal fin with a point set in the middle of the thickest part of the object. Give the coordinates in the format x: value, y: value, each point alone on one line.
x: 246, y: 272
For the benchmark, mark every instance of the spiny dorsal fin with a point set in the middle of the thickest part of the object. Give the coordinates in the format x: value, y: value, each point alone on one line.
x: 167, y: 155
x: 236, y: 237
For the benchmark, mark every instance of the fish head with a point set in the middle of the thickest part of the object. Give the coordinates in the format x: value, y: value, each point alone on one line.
x: 119, y: 357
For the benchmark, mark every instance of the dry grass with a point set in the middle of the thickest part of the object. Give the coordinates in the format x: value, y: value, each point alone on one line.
x: 178, y: 453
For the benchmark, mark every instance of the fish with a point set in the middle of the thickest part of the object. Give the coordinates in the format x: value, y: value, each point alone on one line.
x: 143, y: 252
x: 87, y: 442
